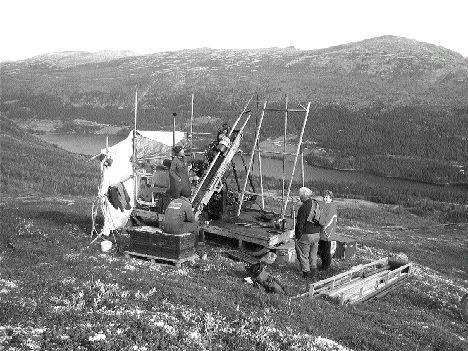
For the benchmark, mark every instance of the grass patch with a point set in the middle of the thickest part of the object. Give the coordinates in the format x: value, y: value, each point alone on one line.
x: 58, y: 294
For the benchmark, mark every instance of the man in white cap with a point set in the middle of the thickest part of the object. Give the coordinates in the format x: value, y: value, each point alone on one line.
x: 307, y: 233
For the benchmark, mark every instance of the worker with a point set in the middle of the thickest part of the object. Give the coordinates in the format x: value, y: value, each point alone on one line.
x: 179, y: 217
x: 328, y: 219
x: 223, y: 132
x: 178, y: 173
x: 307, y: 233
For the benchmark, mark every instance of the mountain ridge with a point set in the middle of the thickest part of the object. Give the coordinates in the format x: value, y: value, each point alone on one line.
x: 394, y: 70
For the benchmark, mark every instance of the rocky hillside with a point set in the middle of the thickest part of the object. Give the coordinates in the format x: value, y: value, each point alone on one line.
x: 388, y: 70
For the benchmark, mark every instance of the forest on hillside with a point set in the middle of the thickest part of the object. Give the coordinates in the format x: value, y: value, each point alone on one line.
x: 417, y: 142
x: 31, y: 166
x: 406, y: 142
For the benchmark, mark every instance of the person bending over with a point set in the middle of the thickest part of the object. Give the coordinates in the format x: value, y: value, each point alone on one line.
x: 179, y: 217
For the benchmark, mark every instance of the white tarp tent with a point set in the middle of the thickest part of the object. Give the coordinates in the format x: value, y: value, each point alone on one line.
x: 148, y: 145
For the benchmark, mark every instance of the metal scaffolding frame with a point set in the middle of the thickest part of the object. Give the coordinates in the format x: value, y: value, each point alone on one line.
x: 285, y: 197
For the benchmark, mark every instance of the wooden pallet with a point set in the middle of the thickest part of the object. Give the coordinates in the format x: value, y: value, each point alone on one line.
x: 360, y: 283
x: 163, y: 260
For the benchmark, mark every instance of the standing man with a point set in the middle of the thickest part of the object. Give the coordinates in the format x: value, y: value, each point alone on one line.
x: 178, y: 173
x: 307, y: 232
x: 179, y: 217
x: 328, y: 219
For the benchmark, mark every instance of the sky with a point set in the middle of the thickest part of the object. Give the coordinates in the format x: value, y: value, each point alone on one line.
x: 33, y: 27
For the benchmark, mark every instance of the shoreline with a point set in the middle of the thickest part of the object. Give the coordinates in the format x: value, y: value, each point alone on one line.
x: 40, y: 133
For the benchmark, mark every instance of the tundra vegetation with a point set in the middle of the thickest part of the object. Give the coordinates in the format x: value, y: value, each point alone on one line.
x: 59, y: 294
x: 388, y: 106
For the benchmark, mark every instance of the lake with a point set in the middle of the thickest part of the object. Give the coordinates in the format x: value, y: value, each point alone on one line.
x: 92, y: 144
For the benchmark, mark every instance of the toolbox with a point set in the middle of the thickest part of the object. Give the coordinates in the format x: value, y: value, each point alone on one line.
x: 346, y: 247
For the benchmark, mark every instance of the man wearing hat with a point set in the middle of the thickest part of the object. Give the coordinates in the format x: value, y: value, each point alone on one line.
x: 328, y: 218
x: 307, y: 233
x: 179, y: 217
x: 178, y: 173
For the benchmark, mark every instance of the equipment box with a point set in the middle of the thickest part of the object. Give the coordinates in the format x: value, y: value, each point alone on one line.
x: 345, y: 247
x: 286, y: 253
x: 154, y: 242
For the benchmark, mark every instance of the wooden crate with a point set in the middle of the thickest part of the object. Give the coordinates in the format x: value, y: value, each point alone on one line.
x: 153, y: 241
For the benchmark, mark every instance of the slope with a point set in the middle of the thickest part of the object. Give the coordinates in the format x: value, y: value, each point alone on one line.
x: 31, y: 166
x: 59, y: 294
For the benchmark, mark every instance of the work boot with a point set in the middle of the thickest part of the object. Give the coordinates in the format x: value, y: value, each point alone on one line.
x: 309, y: 274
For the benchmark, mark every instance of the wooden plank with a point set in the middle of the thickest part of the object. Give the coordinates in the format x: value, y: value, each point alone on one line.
x: 354, y: 270
x: 380, y: 289
x: 334, y: 285
x: 383, y: 290
x: 367, y: 287
x: 248, y: 233
x: 357, y: 284
x: 229, y: 234
x: 177, y: 262
x: 241, y: 256
x: 259, y: 233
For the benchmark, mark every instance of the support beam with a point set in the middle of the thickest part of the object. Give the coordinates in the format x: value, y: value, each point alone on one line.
x: 252, y: 154
x: 299, y: 144
x: 275, y: 152
x: 302, y: 166
x: 266, y: 195
x: 286, y: 110
x: 261, y: 178
x: 283, y: 208
x: 240, y: 116
x: 134, y: 153
x: 191, y: 126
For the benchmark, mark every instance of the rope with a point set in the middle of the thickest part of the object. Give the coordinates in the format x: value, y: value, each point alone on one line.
x: 106, y: 214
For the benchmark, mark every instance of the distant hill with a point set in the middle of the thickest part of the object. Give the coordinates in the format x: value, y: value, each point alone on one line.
x: 31, y: 166
x: 391, y: 70
x: 370, y: 99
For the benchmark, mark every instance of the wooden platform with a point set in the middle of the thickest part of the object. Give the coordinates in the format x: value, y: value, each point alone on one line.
x: 164, y: 260
x: 246, y: 229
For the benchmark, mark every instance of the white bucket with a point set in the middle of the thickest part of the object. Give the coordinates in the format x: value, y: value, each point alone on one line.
x: 106, y: 245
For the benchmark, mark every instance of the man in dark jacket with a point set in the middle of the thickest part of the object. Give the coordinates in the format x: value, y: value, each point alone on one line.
x: 179, y: 217
x: 307, y: 232
x: 328, y: 219
x: 178, y: 173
